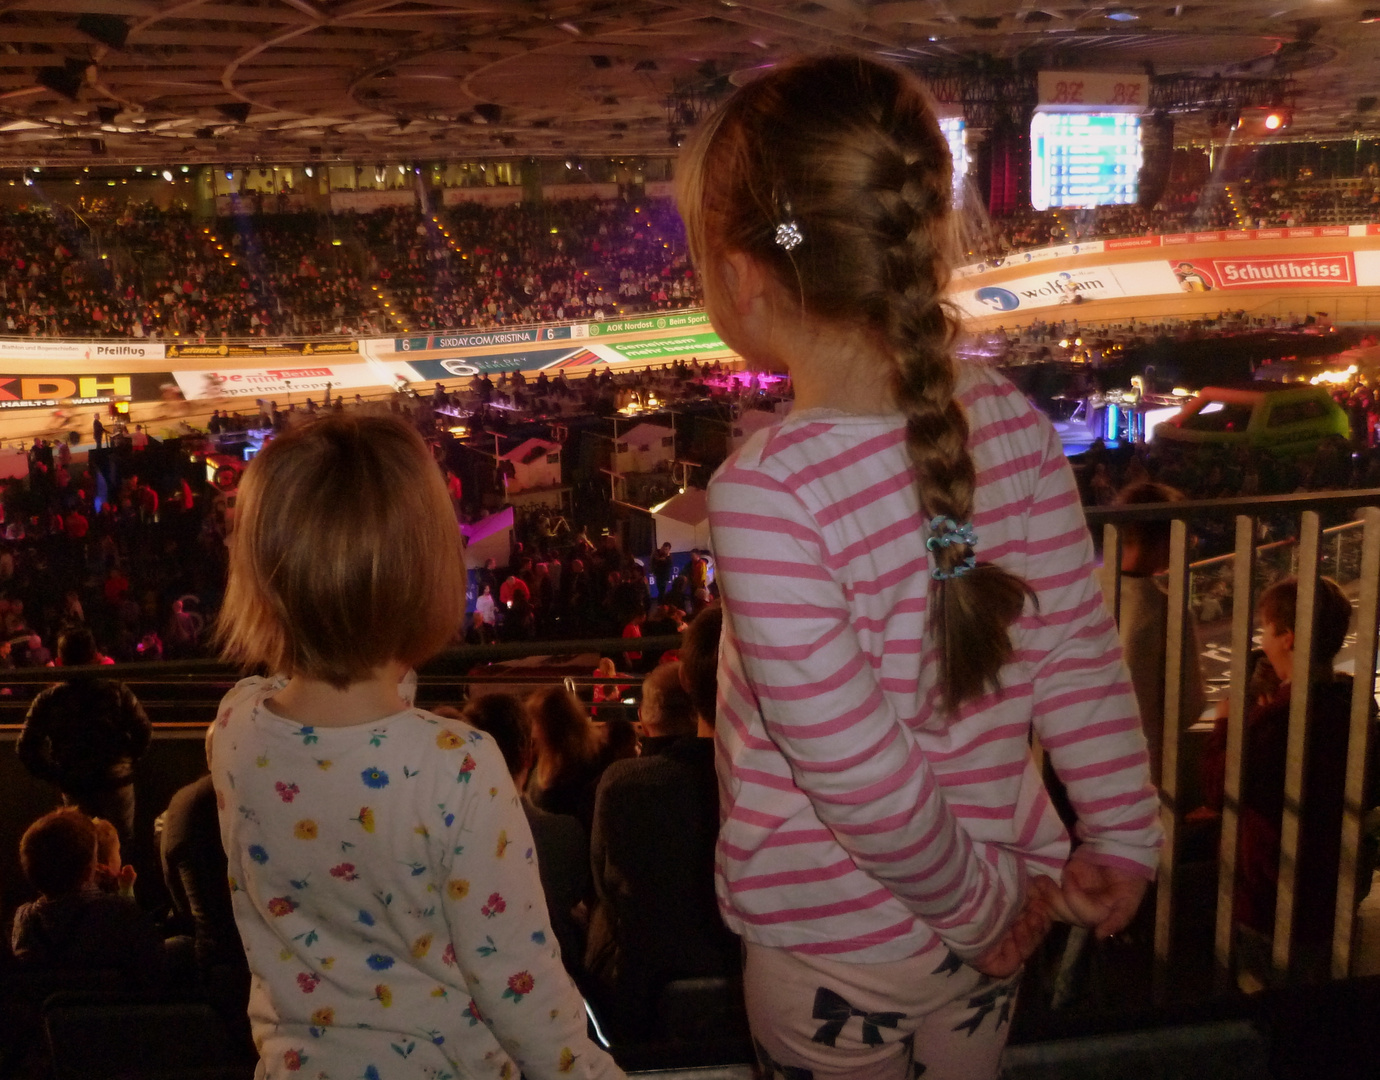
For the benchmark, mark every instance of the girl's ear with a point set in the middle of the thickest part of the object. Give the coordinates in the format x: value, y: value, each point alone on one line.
x: 743, y: 281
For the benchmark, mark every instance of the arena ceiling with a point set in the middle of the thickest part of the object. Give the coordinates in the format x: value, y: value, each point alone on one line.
x: 289, y: 81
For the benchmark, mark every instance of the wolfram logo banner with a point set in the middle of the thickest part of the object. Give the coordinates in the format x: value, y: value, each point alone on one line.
x: 1068, y: 287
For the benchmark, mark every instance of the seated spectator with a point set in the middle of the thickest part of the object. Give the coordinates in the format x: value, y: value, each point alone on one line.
x: 194, y: 870
x: 1144, y: 619
x: 570, y: 755
x: 84, y: 735
x: 1324, y: 780
x: 75, y: 924
x: 652, y: 856
x: 561, y: 842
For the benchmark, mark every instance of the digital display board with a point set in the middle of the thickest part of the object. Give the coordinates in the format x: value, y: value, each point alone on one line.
x: 1084, y: 159
x: 955, y: 131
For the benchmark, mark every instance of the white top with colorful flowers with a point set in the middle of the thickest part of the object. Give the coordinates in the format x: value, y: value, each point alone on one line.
x: 386, y: 889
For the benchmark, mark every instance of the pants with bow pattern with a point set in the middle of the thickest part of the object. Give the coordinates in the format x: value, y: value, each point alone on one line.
x: 931, y: 1016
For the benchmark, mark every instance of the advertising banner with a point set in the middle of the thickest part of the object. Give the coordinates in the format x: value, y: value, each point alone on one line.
x: 277, y: 348
x: 278, y: 381
x: 1265, y: 272
x: 1098, y: 89
x: 666, y: 321
x: 36, y: 349
x: 478, y: 339
x: 1069, y: 287
x: 31, y: 391
x: 1037, y: 255
x: 529, y: 360
x: 661, y: 348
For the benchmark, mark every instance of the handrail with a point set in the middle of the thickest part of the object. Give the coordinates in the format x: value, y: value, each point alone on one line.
x: 453, y: 663
x: 1254, y: 505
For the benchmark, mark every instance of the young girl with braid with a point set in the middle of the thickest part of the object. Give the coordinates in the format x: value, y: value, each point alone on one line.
x: 908, y: 591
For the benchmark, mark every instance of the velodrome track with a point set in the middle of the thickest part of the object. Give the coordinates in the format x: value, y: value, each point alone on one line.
x: 1044, y: 270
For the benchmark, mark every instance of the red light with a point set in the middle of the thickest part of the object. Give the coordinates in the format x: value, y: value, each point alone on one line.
x: 1274, y: 122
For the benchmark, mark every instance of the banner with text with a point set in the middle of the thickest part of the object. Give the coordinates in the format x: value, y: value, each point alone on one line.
x: 278, y: 348
x: 268, y: 382
x: 1265, y: 272
x: 668, y: 321
x: 478, y: 339
x: 661, y: 348
x: 34, y: 349
x: 1069, y: 287
x: 32, y: 391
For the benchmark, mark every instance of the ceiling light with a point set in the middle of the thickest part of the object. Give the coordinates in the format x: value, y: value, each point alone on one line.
x: 308, y: 171
x: 167, y: 175
x: 186, y: 168
x: 1122, y: 16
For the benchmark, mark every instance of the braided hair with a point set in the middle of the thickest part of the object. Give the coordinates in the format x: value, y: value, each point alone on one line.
x: 850, y: 151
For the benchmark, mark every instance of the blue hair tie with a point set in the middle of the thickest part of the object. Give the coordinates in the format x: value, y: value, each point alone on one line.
x: 945, y: 532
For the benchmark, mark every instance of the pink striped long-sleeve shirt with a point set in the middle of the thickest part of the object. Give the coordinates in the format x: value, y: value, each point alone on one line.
x: 859, y: 821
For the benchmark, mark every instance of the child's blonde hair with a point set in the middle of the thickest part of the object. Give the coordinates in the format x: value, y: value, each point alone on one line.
x: 833, y: 175
x: 345, y: 555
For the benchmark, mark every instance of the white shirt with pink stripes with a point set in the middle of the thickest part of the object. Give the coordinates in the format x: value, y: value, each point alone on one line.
x: 859, y: 821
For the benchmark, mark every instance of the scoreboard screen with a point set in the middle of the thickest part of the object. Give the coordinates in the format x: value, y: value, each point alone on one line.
x: 1084, y: 159
x: 956, y: 133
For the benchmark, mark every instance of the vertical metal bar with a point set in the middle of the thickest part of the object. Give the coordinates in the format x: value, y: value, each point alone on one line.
x: 1171, y: 779
x: 1243, y: 604
x: 1358, y: 742
x: 1111, y: 569
x: 1300, y: 685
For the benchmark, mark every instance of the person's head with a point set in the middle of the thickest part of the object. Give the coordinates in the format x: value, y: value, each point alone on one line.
x: 1145, y: 544
x: 345, y: 555
x: 76, y: 647
x: 827, y: 184
x: 620, y: 739
x: 502, y: 717
x: 606, y: 667
x: 699, y: 662
x: 666, y: 708
x: 1277, y: 610
x: 58, y: 852
x: 562, y: 732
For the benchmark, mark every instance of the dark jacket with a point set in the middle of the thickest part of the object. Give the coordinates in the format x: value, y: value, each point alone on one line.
x: 195, y: 869
x: 91, y: 930
x: 84, y: 735
x: 563, y: 863
x: 656, y: 920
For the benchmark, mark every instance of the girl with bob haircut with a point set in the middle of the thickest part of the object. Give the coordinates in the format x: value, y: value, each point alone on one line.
x: 381, y: 866
x: 908, y: 590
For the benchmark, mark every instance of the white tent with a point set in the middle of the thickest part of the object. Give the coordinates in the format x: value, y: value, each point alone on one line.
x: 684, y: 521
x: 644, y: 448
x: 489, y: 538
x: 536, y: 463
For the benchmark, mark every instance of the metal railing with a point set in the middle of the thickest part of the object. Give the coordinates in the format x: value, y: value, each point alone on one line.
x: 1243, y: 513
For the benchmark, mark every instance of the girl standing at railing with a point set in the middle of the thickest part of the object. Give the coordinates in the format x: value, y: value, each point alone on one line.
x: 908, y: 590
x: 381, y: 865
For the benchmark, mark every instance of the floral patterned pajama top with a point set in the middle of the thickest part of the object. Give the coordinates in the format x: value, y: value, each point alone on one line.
x: 385, y: 886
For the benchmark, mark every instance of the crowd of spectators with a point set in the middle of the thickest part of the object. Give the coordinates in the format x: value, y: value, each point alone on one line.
x: 136, y: 271
x: 140, y: 272
x: 1306, y: 200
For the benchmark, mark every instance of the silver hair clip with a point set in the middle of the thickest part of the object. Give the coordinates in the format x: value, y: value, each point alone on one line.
x: 788, y: 235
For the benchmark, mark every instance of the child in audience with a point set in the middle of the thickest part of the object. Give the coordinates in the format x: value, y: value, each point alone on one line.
x: 381, y: 866
x: 75, y: 922
x: 1265, y: 757
x: 907, y: 586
